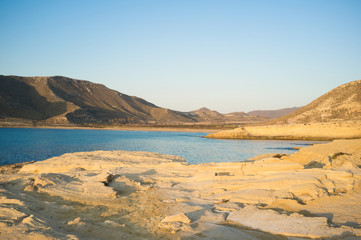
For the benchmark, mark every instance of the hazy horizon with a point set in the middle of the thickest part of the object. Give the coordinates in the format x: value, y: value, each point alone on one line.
x: 228, y: 56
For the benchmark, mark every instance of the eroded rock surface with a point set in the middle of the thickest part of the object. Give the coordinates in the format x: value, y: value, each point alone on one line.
x: 315, y: 193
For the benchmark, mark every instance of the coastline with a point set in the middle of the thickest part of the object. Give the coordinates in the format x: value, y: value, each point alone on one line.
x: 153, y: 129
x: 327, y: 131
x: 314, y: 193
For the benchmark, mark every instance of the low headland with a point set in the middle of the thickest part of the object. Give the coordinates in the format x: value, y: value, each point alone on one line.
x: 311, y: 131
x: 314, y: 193
x: 334, y: 115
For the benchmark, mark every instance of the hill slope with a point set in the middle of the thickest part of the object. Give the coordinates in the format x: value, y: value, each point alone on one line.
x: 340, y: 104
x: 273, y: 113
x: 206, y: 115
x: 66, y: 100
x: 334, y: 115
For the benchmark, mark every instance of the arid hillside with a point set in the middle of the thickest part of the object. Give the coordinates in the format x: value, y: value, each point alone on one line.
x: 272, y: 113
x: 206, y: 115
x: 334, y: 115
x: 212, y: 116
x: 61, y: 100
x: 65, y: 100
x: 340, y: 104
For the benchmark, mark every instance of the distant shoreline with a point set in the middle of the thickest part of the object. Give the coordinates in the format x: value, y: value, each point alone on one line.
x: 326, y: 131
x: 145, y: 129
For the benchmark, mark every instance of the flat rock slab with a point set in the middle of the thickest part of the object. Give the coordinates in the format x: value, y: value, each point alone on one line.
x: 141, y: 195
x: 295, y: 225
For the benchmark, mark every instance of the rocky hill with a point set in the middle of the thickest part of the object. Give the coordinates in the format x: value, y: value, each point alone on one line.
x: 340, y: 104
x: 65, y: 100
x: 334, y: 115
x: 272, y: 113
x: 206, y: 115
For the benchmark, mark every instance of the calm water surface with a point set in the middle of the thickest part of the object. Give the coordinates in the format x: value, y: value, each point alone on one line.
x: 21, y: 145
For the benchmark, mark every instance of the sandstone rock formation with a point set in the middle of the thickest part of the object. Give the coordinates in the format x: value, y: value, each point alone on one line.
x: 315, y: 193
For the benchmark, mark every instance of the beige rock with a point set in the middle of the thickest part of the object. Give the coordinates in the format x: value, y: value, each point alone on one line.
x: 177, y: 218
x: 140, y: 195
x: 289, y: 225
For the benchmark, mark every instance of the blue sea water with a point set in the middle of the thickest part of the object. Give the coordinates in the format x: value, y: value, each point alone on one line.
x: 26, y: 144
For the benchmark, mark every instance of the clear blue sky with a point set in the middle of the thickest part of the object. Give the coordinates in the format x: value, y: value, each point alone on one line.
x: 224, y: 55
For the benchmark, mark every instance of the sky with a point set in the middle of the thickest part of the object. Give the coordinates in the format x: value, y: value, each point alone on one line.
x: 226, y: 55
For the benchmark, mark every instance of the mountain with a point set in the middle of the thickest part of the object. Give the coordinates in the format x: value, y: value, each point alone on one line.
x: 66, y: 100
x: 340, y: 104
x: 234, y: 116
x: 272, y: 113
x: 206, y: 115
x: 203, y: 109
x: 62, y: 100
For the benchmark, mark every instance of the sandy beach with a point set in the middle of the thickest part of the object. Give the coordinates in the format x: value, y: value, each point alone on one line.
x: 314, y: 193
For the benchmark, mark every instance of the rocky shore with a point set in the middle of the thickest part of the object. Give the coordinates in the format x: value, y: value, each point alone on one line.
x: 314, y: 193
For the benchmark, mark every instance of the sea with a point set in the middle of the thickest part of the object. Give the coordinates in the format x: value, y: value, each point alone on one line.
x: 34, y: 144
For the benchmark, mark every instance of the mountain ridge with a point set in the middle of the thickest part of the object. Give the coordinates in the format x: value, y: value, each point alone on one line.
x: 67, y: 100
x: 63, y: 100
x: 277, y: 113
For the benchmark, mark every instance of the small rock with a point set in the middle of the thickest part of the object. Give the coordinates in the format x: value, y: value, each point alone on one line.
x: 177, y: 218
